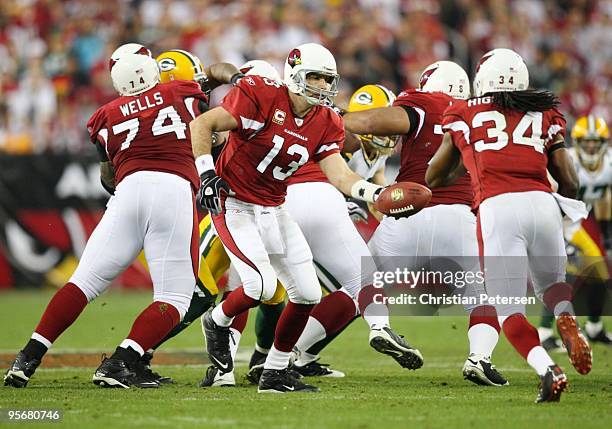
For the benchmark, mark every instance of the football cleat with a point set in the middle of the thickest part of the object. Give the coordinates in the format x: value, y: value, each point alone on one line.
x: 20, y: 371
x: 254, y: 374
x: 116, y: 373
x: 214, y: 378
x: 478, y: 369
x: 552, y: 384
x: 257, y: 358
x: 281, y: 381
x: 217, y: 343
x: 386, y: 341
x: 578, y: 348
x: 142, y: 368
x: 553, y: 345
x: 316, y: 369
x: 602, y: 337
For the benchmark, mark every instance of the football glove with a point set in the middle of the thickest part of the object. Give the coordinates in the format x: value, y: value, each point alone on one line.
x: 211, y: 189
x: 356, y: 212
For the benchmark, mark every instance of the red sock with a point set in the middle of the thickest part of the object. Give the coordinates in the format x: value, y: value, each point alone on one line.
x: 485, y: 314
x: 521, y: 334
x: 334, y: 311
x: 61, y: 312
x: 237, y: 302
x: 368, y: 295
x: 290, y: 325
x: 557, y: 293
x: 153, y: 324
x: 239, y: 321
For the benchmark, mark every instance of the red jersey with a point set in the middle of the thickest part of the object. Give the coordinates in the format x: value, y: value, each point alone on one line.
x: 271, y: 143
x: 150, y: 131
x: 419, y: 146
x: 503, y: 151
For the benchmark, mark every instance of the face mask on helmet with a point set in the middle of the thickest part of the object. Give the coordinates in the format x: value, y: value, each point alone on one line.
x: 260, y: 68
x: 447, y: 77
x: 590, y: 136
x: 134, y: 74
x: 128, y: 48
x: 500, y: 70
x: 304, y: 66
x: 371, y: 97
x: 177, y: 64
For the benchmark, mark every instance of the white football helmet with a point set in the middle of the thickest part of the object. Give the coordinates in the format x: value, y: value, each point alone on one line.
x: 500, y: 70
x: 260, y: 68
x: 134, y: 74
x: 311, y: 58
x: 128, y: 48
x: 447, y: 77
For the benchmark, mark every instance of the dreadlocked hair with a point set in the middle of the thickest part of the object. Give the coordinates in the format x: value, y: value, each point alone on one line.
x: 530, y: 100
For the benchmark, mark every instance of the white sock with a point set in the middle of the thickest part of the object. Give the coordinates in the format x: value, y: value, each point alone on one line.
x: 277, y: 359
x: 376, y: 315
x: 539, y: 360
x: 220, y: 318
x: 234, y: 342
x: 483, y: 339
x: 544, y: 333
x: 563, y: 307
x: 593, y: 328
x: 133, y: 344
x: 305, y: 358
x: 313, y: 333
x: 45, y: 342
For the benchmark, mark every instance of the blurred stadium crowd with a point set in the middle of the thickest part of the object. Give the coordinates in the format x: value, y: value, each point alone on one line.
x: 54, y: 68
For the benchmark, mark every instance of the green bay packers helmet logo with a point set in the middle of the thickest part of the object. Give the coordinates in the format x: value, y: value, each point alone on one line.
x: 364, y: 98
x: 167, y: 64
x: 397, y: 195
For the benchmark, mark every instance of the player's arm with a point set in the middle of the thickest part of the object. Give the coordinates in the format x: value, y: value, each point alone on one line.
x: 107, y: 171
x: 446, y: 166
x: 383, y: 121
x: 561, y: 168
x: 222, y: 73
x: 347, y: 181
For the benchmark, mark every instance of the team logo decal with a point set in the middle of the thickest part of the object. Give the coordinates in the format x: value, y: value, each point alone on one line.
x: 245, y: 70
x: 294, y: 58
x: 482, y: 60
x: 166, y: 64
x: 397, y: 194
x: 425, y: 76
x: 364, y: 98
x: 163, y: 307
x: 279, y: 117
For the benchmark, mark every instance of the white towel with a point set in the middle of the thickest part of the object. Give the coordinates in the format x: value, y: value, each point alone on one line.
x: 573, y: 209
x: 268, y: 227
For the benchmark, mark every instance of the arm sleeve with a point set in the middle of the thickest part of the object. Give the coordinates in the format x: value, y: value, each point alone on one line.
x: 453, y: 123
x: 98, y: 134
x: 334, y: 141
x: 413, y: 116
x: 556, y: 126
x: 194, y: 98
x: 243, y: 103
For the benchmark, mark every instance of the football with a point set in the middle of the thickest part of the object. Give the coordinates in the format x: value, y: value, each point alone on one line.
x: 403, y: 199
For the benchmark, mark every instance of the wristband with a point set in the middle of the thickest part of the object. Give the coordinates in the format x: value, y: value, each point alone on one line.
x: 204, y: 163
x: 365, y: 191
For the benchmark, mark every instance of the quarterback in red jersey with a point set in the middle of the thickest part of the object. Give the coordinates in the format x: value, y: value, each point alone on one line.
x: 274, y: 130
x: 446, y: 229
x: 147, y: 164
x: 507, y: 138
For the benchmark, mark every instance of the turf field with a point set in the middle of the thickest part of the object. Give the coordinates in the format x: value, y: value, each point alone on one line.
x: 376, y: 393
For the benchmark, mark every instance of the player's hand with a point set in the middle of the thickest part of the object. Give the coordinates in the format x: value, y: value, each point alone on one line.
x: 356, y: 212
x: 211, y: 189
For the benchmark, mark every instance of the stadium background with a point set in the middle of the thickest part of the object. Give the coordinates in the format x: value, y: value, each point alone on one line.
x: 54, y: 74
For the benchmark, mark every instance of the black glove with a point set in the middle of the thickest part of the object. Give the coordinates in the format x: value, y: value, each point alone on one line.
x: 209, y: 195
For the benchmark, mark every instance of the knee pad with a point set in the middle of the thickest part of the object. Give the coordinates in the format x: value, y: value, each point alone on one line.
x: 262, y: 284
x: 279, y: 296
x: 311, y: 295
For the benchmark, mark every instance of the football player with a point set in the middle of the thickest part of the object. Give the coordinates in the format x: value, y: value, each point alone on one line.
x: 592, y: 158
x: 507, y: 137
x: 143, y: 139
x: 274, y: 130
x: 446, y: 229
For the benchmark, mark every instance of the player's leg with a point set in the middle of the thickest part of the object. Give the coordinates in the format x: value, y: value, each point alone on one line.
x: 547, y: 264
x: 113, y: 245
x: 503, y: 242
x: 169, y: 225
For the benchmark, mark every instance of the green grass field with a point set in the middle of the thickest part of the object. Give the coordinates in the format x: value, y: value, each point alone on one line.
x: 376, y: 393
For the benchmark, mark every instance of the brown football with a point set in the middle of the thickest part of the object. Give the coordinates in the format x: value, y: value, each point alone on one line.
x: 403, y: 199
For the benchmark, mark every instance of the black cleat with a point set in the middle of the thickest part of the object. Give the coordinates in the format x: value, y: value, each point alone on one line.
x: 386, y: 341
x: 257, y: 358
x: 552, y: 384
x: 144, y: 365
x: 316, y: 369
x: 602, y: 337
x: 217, y: 343
x: 20, y: 371
x: 281, y: 381
x: 254, y: 374
x: 553, y: 345
x: 116, y: 373
x: 478, y: 369
x: 214, y: 378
